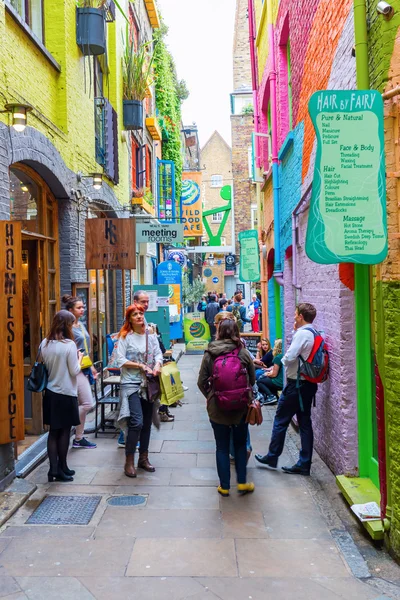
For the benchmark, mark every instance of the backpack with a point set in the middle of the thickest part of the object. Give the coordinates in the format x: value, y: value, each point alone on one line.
x: 316, y: 368
x: 236, y: 314
x: 230, y: 382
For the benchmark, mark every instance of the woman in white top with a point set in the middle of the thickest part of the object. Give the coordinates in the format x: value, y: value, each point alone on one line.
x: 138, y: 353
x: 60, y: 402
x: 87, y: 375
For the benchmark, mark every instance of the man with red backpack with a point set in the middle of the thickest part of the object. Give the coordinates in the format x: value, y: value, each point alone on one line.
x: 306, y: 363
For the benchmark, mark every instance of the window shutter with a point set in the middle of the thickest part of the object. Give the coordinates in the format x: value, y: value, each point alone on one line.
x: 148, y: 168
x: 141, y: 167
x: 111, y: 142
x: 133, y: 163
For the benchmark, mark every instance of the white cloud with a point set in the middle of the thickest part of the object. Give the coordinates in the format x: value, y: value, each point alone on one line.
x: 200, y: 39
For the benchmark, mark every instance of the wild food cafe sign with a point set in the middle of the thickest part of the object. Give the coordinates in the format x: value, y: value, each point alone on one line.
x: 347, y: 217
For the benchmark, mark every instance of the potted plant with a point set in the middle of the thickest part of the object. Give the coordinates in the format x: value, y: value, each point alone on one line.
x: 91, y: 26
x: 137, y: 77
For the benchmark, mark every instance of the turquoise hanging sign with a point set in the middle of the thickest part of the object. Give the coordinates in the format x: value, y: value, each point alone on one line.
x: 249, y: 256
x: 347, y: 217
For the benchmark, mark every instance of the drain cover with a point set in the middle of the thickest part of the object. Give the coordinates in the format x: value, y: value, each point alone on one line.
x: 127, y: 500
x: 65, y: 510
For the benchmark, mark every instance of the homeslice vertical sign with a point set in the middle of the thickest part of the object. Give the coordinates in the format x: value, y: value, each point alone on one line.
x: 11, y: 355
x: 347, y: 218
x: 192, y: 208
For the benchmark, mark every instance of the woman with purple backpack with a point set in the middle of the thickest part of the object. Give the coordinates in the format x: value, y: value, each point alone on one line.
x: 226, y: 377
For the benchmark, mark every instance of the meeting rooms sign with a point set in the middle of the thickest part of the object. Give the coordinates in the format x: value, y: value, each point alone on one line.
x: 163, y: 233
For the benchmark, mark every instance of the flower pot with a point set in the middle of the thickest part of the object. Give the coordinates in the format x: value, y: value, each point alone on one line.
x: 133, y: 114
x: 91, y: 31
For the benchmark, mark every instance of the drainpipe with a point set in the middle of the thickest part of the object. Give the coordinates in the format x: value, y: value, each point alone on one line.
x: 295, y: 215
x: 364, y: 364
x: 254, y: 78
x: 278, y: 274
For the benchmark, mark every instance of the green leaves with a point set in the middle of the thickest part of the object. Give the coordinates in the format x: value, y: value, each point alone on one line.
x: 137, y: 71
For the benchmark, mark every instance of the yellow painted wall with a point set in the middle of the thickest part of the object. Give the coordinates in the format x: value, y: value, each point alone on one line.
x: 63, y: 108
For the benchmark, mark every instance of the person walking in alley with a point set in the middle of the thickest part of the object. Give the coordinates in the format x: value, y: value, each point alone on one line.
x: 87, y: 374
x: 138, y: 354
x: 296, y: 398
x: 255, y: 304
x: 211, y: 311
x: 225, y: 422
x: 239, y: 311
x: 60, y: 400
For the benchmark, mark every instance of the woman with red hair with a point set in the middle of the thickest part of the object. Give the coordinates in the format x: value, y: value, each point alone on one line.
x: 138, y: 354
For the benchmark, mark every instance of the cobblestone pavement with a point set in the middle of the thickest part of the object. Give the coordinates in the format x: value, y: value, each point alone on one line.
x: 281, y: 543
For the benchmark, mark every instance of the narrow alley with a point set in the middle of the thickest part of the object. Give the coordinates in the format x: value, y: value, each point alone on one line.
x: 184, y: 541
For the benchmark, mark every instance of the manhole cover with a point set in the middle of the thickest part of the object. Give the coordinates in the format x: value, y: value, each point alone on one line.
x: 127, y: 500
x: 65, y: 510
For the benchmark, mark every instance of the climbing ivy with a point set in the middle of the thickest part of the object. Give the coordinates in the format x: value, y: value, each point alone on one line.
x: 170, y: 93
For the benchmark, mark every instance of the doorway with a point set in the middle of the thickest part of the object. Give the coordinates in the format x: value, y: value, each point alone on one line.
x: 32, y: 203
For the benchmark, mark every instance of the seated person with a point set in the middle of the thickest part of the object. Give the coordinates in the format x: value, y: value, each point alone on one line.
x: 271, y: 381
x: 264, y: 357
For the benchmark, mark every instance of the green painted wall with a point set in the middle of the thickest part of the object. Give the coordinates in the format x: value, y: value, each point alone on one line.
x: 63, y: 108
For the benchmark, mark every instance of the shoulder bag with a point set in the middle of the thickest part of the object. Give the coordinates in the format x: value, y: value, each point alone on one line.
x: 86, y: 360
x: 37, y: 381
x: 153, y: 382
x: 254, y: 414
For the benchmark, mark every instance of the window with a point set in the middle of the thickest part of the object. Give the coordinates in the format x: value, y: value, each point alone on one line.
x: 106, y: 137
x: 135, y: 148
x: 216, y: 181
x: 217, y: 217
x: 289, y: 84
x: 254, y: 217
x: 240, y: 102
x: 31, y: 11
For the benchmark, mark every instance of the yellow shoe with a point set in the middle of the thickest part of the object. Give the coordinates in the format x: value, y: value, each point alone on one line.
x: 222, y: 491
x: 245, y: 488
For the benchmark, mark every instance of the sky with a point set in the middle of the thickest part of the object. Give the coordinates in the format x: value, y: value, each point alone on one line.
x: 200, y: 39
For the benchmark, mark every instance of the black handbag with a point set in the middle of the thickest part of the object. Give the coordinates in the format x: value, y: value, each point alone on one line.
x: 39, y: 376
x: 153, y: 388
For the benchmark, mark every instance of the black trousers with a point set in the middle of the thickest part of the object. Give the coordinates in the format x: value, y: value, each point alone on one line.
x: 139, y: 424
x: 288, y: 406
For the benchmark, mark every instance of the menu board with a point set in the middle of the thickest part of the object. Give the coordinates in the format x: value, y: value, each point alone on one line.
x: 347, y: 217
x: 249, y: 256
x: 251, y: 340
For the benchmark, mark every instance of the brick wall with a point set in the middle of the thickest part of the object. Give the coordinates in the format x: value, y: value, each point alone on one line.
x: 241, y: 48
x: 216, y: 158
x: 243, y: 189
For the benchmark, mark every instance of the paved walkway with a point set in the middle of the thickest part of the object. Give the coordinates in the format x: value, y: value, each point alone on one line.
x: 186, y: 541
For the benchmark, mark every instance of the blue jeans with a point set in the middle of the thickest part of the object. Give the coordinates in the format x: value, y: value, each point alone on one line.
x: 248, y: 444
x: 222, y: 434
x: 288, y: 406
x: 139, y: 424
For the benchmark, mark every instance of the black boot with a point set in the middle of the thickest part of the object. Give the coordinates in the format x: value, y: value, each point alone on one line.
x: 58, y: 476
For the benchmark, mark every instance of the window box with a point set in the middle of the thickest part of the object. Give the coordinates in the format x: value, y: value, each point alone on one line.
x: 133, y: 114
x: 91, y: 31
x: 154, y: 128
x: 153, y: 13
x: 144, y: 204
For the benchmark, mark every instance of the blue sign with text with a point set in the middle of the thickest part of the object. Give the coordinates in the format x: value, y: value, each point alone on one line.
x: 170, y: 273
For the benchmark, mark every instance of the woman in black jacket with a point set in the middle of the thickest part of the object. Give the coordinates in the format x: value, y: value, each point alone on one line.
x: 225, y: 422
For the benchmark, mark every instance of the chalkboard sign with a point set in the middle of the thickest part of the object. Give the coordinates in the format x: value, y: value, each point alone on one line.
x: 251, y: 340
x: 81, y: 290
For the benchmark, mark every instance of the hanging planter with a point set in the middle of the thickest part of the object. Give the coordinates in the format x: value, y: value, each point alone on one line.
x: 91, y: 30
x: 133, y: 114
x: 137, y: 78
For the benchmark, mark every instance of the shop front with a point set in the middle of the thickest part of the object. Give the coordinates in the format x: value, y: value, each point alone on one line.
x: 33, y: 204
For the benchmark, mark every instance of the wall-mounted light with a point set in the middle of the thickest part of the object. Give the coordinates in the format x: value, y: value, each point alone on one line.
x: 97, y: 179
x: 24, y: 186
x: 211, y: 260
x: 19, y: 114
x: 385, y: 9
